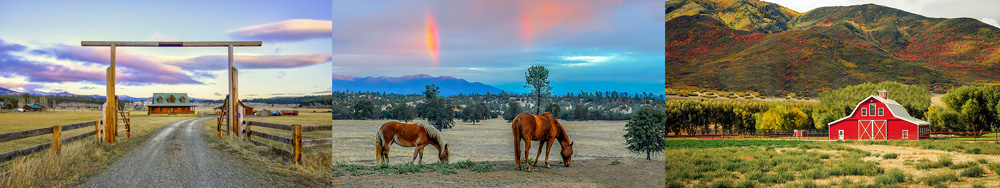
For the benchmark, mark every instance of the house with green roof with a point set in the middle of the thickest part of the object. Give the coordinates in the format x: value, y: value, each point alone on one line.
x: 170, y: 103
x: 34, y: 107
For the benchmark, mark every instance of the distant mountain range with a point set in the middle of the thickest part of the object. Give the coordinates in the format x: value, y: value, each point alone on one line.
x: 5, y: 91
x: 748, y: 45
x: 410, y: 84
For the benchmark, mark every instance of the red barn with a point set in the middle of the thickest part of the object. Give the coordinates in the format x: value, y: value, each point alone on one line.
x: 878, y: 118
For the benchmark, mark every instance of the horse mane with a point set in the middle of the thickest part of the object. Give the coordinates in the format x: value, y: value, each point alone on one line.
x: 433, y: 133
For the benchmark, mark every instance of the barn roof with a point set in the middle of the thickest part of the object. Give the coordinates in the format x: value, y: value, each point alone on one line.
x: 895, y: 108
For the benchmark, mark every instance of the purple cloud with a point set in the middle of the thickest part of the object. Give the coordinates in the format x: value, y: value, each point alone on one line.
x: 132, y: 69
x: 286, y: 31
x: 252, y: 61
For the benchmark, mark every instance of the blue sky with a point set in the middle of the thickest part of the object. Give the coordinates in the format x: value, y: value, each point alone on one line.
x: 586, y: 45
x: 40, y: 46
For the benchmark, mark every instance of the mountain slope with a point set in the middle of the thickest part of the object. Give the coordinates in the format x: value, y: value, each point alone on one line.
x: 411, y: 84
x: 824, y: 49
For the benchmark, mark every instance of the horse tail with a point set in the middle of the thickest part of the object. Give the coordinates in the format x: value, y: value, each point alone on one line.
x: 379, y: 146
x: 516, y: 128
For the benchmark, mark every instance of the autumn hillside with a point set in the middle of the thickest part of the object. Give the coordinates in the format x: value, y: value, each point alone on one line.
x: 763, y: 47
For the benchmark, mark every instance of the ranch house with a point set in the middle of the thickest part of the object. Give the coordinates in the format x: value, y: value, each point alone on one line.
x: 34, y: 107
x: 879, y: 118
x: 170, y: 103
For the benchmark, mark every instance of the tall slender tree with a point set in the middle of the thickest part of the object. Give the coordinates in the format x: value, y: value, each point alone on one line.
x: 537, y: 78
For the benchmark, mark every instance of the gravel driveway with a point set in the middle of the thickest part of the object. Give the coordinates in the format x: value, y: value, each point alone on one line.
x: 176, y: 155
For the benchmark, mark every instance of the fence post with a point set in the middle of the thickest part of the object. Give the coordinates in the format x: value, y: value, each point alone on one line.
x: 297, y: 156
x: 97, y: 131
x: 57, y: 138
x: 128, y: 124
x: 248, y: 130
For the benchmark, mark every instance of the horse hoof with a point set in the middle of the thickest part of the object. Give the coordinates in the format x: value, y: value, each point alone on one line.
x: 547, y: 166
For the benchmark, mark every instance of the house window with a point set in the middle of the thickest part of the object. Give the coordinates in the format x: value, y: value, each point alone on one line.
x: 159, y: 100
x: 906, y: 134
x: 172, y: 99
x: 864, y: 112
x: 183, y: 99
x: 879, y: 111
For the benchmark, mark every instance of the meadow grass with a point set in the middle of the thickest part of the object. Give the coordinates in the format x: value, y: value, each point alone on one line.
x: 986, y: 147
x: 78, y: 159
x: 718, y: 143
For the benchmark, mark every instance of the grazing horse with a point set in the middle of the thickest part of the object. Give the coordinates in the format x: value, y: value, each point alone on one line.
x: 543, y: 128
x: 409, y: 135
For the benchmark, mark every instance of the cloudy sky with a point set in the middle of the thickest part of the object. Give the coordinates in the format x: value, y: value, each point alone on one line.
x: 586, y: 45
x: 40, y: 47
x: 986, y: 11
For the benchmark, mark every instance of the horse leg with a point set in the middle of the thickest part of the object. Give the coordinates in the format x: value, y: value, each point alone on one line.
x: 527, y: 150
x: 415, y: 152
x: 421, y: 149
x: 540, y: 144
x: 517, y: 151
x: 385, y: 154
x: 548, y: 148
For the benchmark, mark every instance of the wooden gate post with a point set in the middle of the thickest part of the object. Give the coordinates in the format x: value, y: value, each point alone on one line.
x: 297, y: 156
x: 56, y: 138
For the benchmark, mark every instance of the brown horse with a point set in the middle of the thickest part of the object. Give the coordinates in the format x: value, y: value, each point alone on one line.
x: 409, y: 135
x: 543, y: 128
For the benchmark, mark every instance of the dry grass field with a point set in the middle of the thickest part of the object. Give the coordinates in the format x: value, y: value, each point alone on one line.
x: 490, y: 140
x: 78, y: 159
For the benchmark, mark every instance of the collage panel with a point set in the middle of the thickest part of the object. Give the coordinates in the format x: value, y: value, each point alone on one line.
x: 165, y: 94
x: 866, y: 93
x: 466, y: 94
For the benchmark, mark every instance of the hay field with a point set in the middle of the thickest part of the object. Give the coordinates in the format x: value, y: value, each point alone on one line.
x: 11, y: 122
x: 490, y: 140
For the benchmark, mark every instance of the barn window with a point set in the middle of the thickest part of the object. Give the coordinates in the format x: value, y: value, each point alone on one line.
x: 879, y: 111
x: 864, y: 112
x: 872, y: 107
x: 906, y: 134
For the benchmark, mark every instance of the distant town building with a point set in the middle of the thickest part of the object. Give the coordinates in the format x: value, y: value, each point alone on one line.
x: 170, y: 103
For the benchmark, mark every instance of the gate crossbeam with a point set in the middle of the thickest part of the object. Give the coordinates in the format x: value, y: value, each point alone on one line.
x: 110, y: 119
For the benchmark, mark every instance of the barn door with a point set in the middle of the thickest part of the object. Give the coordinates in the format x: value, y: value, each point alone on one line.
x: 872, y: 129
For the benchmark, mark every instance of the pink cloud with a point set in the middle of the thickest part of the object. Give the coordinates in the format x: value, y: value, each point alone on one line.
x: 343, y: 77
x: 130, y: 68
x: 286, y: 31
x: 252, y: 61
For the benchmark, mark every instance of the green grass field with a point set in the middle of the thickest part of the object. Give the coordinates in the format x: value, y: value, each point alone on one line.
x: 788, y: 163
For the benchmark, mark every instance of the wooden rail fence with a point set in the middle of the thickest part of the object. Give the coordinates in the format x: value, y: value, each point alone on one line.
x: 295, y: 141
x: 57, y: 139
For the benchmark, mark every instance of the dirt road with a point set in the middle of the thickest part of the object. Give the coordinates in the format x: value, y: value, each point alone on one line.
x: 176, y: 155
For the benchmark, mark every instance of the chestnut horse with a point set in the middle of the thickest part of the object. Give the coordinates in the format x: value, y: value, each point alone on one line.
x: 409, y: 135
x: 543, y: 128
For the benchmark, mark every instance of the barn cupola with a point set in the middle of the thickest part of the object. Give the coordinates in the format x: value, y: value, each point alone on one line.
x: 882, y: 93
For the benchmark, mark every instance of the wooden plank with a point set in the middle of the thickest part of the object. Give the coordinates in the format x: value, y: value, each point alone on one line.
x: 37, y: 148
x: 279, y: 151
x: 24, y: 151
x: 317, y: 128
x: 273, y: 125
x: 56, y: 138
x: 76, y: 125
x: 24, y: 134
x: 171, y: 43
x: 317, y: 142
x: 273, y: 137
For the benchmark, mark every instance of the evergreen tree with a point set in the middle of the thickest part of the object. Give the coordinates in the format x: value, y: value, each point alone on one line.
x: 553, y: 109
x: 537, y: 78
x: 646, y: 131
x: 364, y: 110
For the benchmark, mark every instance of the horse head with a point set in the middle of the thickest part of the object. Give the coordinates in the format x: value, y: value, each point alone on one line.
x: 443, y: 154
x: 567, y: 153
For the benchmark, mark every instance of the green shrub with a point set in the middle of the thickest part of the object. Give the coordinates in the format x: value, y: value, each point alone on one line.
x: 890, y: 156
x: 894, y: 176
x: 944, y: 160
x: 816, y: 173
x: 724, y: 182
x: 978, y: 186
x: 924, y: 164
x: 484, y: 166
x: 748, y: 184
x: 982, y: 161
x: 975, y: 171
x: 995, y: 167
x: 674, y: 184
x: 824, y: 156
x: 963, y: 165
x: 940, y: 177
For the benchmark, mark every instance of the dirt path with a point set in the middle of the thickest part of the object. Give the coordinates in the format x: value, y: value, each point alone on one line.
x: 176, y: 155
x: 583, y: 173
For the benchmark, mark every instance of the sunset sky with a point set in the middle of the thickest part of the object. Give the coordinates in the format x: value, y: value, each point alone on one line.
x: 40, y: 47
x: 586, y: 45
